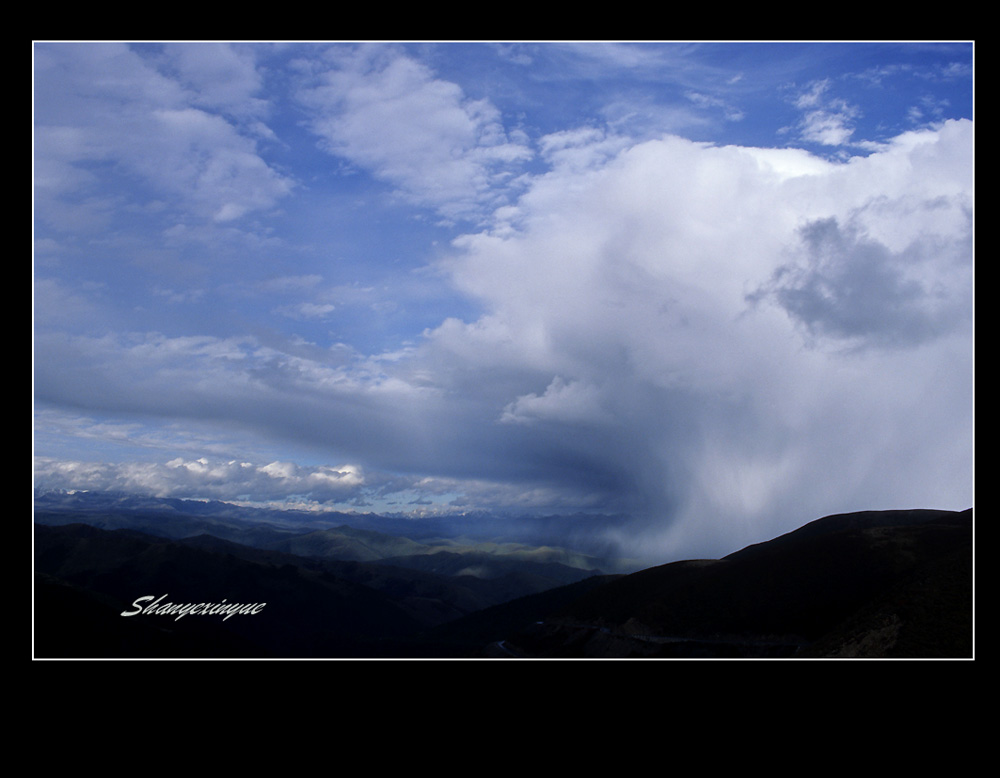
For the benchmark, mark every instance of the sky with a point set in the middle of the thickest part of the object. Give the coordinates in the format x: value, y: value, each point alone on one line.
x: 712, y: 290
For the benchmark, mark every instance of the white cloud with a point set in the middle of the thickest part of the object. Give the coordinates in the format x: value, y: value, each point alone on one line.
x: 730, y: 112
x: 388, y: 113
x: 207, y: 479
x: 574, y: 402
x: 826, y: 120
x: 580, y: 149
x: 103, y: 112
x: 220, y: 76
x: 320, y: 311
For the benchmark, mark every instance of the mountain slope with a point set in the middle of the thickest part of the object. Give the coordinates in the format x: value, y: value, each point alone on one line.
x: 308, y: 612
x: 348, y: 544
x: 315, y: 604
x: 888, y: 584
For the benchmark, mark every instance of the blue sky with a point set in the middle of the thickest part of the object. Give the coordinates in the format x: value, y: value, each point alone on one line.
x: 720, y: 288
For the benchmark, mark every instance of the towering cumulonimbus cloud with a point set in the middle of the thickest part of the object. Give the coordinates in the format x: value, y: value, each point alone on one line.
x: 720, y: 335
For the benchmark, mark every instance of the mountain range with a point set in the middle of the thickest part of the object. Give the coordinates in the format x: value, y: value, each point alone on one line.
x: 879, y: 584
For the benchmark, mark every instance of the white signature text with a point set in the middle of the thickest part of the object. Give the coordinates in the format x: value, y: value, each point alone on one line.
x: 179, y: 610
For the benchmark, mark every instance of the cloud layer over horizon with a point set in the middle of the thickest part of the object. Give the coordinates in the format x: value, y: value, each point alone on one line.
x: 334, y: 275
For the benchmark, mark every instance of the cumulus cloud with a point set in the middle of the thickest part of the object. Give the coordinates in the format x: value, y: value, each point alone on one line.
x: 207, y: 479
x: 562, y: 401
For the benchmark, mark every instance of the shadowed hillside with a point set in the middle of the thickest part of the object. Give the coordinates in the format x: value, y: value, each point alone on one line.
x: 83, y: 570
x: 316, y: 606
x: 873, y: 584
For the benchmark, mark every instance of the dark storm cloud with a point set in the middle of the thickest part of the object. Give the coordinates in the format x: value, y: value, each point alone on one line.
x: 849, y: 286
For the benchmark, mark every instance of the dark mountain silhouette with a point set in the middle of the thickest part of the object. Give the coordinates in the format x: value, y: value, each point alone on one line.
x: 872, y: 584
x: 309, y: 612
x: 431, y: 597
x: 432, y: 581
x: 315, y: 606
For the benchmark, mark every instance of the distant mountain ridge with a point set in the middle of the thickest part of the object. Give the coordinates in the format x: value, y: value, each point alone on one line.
x: 257, y: 526
x: 170, y: 517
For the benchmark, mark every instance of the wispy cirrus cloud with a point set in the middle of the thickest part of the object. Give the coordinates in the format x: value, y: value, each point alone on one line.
x: 387, y: 112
